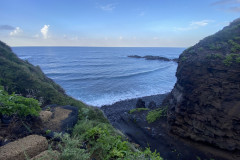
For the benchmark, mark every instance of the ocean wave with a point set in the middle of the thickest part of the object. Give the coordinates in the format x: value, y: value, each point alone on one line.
x: 108, y: 99
x: 118, y: 76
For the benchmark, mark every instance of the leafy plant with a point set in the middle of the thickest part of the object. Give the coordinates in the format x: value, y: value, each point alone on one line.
x: 19, y: 105
x: 156, y: 114
x: 235, y: 46
x: 229, y: 59
x: 48, y: 131
x: 71, y: 149
x: 138, y: 110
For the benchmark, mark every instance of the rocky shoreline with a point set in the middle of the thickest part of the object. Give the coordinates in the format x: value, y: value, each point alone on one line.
x: 156, y: 135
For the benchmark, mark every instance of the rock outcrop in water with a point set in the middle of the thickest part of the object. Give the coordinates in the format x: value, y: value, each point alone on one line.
x: 149, y: 57
x: 205, y: 102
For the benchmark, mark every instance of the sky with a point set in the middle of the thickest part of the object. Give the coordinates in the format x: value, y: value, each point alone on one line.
x: 113, y: 23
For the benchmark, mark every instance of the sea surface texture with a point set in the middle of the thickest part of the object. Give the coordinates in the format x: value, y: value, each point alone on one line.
x: 100, y: 75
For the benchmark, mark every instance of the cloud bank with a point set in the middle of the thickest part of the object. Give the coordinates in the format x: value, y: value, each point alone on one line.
x: 16, y: 31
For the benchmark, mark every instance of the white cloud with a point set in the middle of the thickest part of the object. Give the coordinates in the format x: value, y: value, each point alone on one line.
x: 120, y: 37
x: 16, y: 31
x: 200, y: 23
x: 108, y: 7
x: 193, y: 25
x: 156, y: 38
x: 44, y: 31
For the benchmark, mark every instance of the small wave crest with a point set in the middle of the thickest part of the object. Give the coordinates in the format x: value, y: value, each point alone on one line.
x: 117, y: 76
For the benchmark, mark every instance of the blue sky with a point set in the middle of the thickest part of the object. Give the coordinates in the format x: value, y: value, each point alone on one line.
x: 120, y: 23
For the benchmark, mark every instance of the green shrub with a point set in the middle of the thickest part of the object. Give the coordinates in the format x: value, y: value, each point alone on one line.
x: 71, y: 149
x: 235, y: 46
x: 156, y: 114
x: 104, y: 143
x: 14, y: 104
x: 229, y: 59
x: 138, y: 110
x: 238, y: 59
x: 214, y: 56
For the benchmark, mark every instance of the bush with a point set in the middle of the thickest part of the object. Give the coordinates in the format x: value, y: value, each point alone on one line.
x: 71, y: 149
x: 156, y: 114
x: 14, y: 104
x: 229, y: 59
x: 102, y: 142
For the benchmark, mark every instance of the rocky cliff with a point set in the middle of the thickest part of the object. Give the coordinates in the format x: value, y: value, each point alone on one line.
x: 205, y: 102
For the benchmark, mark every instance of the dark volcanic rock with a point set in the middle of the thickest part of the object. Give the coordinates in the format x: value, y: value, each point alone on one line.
x: 149, y: 57
x: 152, y: 105
x: 156, y: 58
x: 134, y: 56
x: 140, y: 103
x: 205, y: 102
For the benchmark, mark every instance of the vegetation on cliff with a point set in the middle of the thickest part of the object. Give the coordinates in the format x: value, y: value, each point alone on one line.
x: 23, y: 78
x: 223, y: 46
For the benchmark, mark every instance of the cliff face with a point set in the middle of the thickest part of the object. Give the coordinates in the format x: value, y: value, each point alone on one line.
x: 205, y: 101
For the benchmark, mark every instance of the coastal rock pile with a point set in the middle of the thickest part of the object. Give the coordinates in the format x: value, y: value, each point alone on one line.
x: 205, y: 102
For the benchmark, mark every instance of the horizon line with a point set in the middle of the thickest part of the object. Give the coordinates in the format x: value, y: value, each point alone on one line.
x: 108, y: 46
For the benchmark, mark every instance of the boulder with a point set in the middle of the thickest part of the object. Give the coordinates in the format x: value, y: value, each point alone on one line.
x: 29, y: 146
x: 45, y: 116
x: 47, y: 155
x: 152, y: 105
x: 140, y: 103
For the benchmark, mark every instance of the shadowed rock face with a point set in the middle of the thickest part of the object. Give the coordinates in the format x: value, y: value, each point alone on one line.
x: 205, y: 102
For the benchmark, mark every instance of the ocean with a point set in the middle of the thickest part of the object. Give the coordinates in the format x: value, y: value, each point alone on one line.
x: 104, y: 75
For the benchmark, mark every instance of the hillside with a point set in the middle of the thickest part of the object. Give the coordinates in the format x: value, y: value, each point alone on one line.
x: 204, y: 104
x: 23, y: 78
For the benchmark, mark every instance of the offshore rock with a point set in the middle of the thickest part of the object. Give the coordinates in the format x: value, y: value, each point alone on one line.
x: 205, y: 102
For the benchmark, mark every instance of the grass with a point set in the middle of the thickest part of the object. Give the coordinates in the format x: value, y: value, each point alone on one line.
x: 156, y: 114
x: 138, y: 110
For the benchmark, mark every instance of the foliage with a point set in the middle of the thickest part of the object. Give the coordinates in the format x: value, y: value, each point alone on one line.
x: 71, y: 149
x: 156, y: 114
x: 14, y: 104
x: 103, y: 142
x: 238, y: 59
x: 229, y: 59
x: 215, y: 56
x: 183, y: 58
x: 48, y: 131
x: 235, y: 46
x: 138, y: 110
